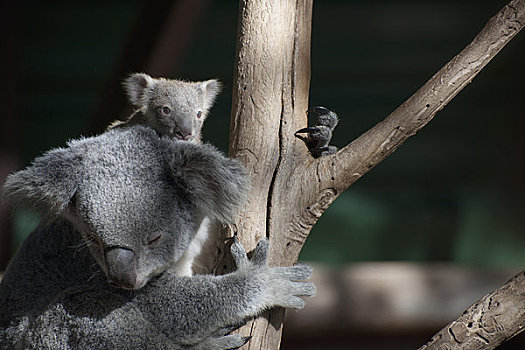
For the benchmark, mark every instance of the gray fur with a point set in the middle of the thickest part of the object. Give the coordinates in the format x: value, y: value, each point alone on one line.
x: 187, y: 105
x: 115, y: 192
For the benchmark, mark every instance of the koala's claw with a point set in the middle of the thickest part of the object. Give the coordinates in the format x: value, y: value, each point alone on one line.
x: 260, y: 253
x: 318, y: 137
x: 288, y: 285
x: 239, y: 253
x: 227, y: 342
x: 228, y: 329
x: 241, y: 258
x: 289, y: 294
x: 299, y: 272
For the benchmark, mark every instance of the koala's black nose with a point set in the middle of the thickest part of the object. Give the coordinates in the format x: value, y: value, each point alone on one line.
x: 122, y: 268
x: 184, y: 135
x: 184, y: 129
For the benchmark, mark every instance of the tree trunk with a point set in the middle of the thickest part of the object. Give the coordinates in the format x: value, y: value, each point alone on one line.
x: 290, y: 189
x: 270, y: 97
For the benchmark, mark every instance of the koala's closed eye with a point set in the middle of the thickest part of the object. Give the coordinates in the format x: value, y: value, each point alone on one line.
x: 153, y: 239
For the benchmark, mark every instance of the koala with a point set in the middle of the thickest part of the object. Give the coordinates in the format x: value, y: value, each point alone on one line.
x: 120, y: 210
x: 171, y: 107
x: 177, y: 109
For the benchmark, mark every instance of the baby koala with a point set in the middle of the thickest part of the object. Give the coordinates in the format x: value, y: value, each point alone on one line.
x: 171, y: 107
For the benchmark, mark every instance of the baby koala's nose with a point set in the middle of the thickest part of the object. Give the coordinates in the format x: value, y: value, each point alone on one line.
x: 183, y: 136
x: 186, y: 137
x: 184, y: 129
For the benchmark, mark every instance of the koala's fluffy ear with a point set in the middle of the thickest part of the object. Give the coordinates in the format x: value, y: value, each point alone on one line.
x: 137, y: 86
x: 210, y: 89
x: 48, y: 184
x: 217, y: 185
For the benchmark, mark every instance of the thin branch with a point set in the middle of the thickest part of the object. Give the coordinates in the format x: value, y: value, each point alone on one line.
x: 361, y: 155
x: 495, y: 318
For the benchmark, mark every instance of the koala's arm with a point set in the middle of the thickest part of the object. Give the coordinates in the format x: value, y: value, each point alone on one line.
x: 170, y: 312
x: 202, y: 309
x: 93, y: 319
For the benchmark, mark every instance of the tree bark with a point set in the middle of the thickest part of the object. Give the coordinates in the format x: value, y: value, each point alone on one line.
x: 290, y: 189
x: 495, y: 318
x: 270, y: 96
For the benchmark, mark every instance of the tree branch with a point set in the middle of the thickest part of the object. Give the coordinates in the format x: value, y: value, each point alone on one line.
x: 495, y: 318
x: 361, y: 155
x: 290, y: 190
x: 309, y: 186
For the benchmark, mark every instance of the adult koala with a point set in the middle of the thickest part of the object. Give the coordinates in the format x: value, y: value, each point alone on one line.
x: 128, y: 203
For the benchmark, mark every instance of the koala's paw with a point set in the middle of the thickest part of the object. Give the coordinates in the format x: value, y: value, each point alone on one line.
x: 282, y: 285
x: 233, y: 341
x: 287, y: 285
x: 318, y: 137
x: 259, y: 254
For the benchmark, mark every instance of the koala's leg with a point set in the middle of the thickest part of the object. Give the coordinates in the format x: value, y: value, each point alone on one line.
x: 318, y: 137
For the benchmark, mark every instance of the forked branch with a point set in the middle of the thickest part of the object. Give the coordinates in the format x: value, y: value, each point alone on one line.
x: 361, y: 155
x: 290, y: 190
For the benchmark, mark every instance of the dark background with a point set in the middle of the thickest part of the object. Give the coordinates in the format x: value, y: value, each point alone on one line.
x: 453, y: 193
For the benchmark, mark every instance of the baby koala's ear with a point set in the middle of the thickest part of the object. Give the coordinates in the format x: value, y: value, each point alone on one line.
x: 137, y: 86
x: 210, y: 89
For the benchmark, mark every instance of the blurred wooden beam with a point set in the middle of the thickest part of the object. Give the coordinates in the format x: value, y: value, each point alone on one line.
x: 391, y: 297
x: 382, y: 305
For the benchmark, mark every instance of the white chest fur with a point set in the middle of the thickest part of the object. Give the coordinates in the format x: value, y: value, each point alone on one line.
x: 183, y: 267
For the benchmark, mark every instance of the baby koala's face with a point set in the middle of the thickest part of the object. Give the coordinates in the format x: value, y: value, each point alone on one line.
x: 177, y: 109
x: 173, y: 107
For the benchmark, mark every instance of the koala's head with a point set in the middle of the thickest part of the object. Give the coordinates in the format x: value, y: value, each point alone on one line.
x: 172, y: 107
x: 135, y: 197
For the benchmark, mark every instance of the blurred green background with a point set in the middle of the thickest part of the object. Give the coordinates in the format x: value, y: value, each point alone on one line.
x: 454, y: 192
